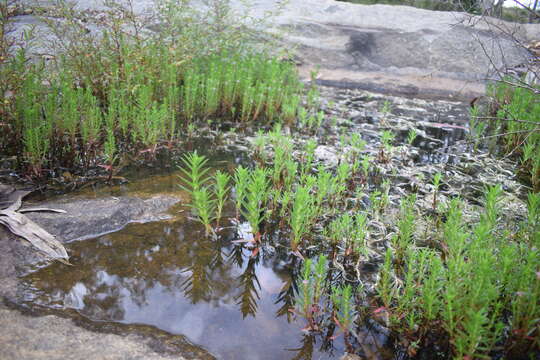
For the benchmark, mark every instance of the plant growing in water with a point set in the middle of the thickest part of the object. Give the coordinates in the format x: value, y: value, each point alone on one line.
x: 194, y: 180
x: 221, y: 189
x: 301, y: 217
x: 344, y: 312
x: 254, y: 202
x: 436, y: 186
x: 311, y: 290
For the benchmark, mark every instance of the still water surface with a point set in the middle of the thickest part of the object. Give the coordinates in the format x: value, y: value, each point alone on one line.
x: 168, y: 275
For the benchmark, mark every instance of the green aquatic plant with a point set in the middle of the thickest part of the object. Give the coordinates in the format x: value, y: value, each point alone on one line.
x: 436, y: 186
x: 385, y: 285
x: 386, y: 107
x: 513, y: 121
x: 309, y: 156
x: 303, y: 300
x: 406, y: 228
x: 290, y: 173
x: 255, y: 200
x: 194, y: 180
x: 205, y: 208
x: 221, y: 190
x: 379, y: 199
x: 241, y: 180
x: 110, y: 149
x: 344, y: 311
x: 350, y: 231
x: 463, y: 287
x: 302, y: 215
x: 148, y: 82
x: 324, y: 183
x: 365, y: 162
x: 303, y: 116
x: 411, y: 136
x: 194, y: 173
x: 311, y: 290
x: 259, y: 142
x: 386, y: 148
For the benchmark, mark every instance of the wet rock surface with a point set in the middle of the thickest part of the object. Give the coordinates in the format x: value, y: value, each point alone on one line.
x: 93, y: 217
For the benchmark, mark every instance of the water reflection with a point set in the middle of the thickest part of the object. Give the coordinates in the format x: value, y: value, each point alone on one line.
x: 166, y: 275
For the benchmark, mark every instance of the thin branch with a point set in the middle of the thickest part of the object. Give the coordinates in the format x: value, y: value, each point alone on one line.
x: 528, y: 9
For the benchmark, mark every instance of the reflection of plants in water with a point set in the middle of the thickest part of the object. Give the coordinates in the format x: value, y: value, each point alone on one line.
x: 286, y: 298
x: 305, y: 352
x: 199, y: 284
x: 249, y: 292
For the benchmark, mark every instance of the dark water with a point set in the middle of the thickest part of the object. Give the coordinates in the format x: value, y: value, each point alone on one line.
x: 169, y: 276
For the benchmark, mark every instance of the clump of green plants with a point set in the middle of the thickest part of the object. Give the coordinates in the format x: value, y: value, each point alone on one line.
x: 130, y: 89
x: 513, y: 119
x: 463, y: 287
x: 349, y: 232
x: 468, y: 284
